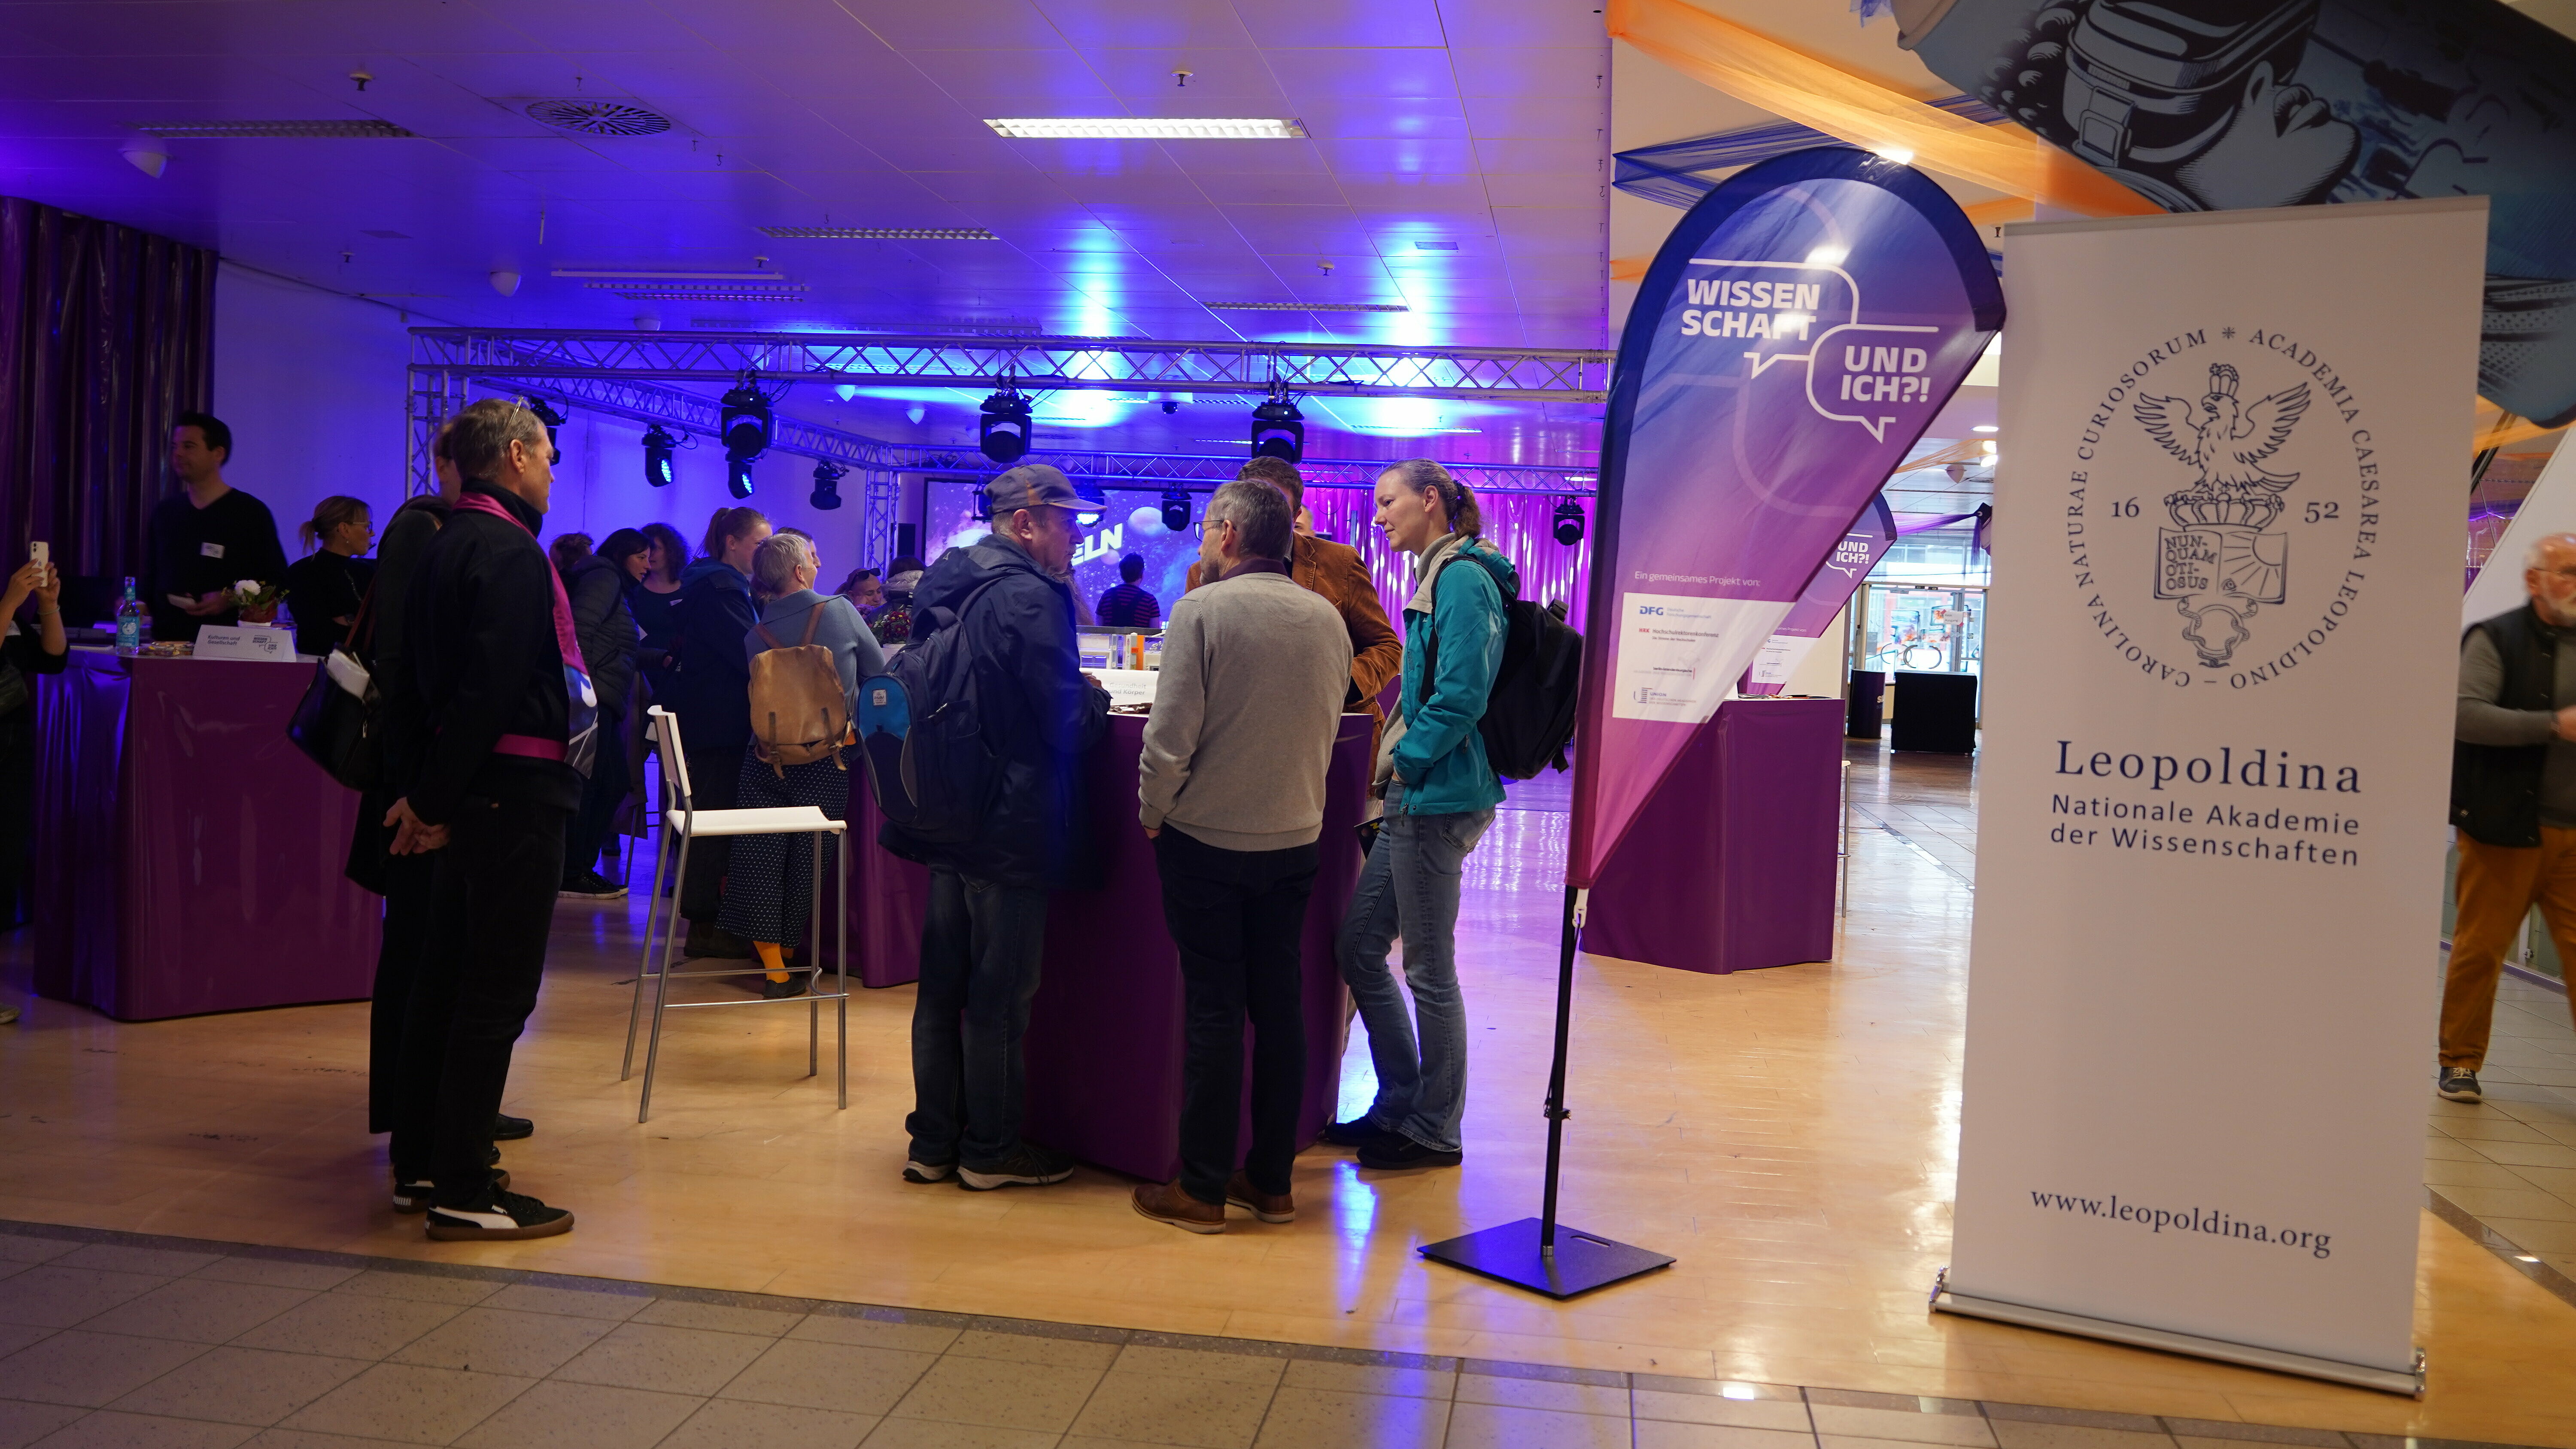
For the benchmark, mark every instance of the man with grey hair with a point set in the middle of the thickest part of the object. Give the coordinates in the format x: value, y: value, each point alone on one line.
x: 493, y: 715
x: 1231, y: 790
x: 2513, y: 797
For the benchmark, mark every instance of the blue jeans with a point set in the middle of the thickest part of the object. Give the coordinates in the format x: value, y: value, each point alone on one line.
x: 1409, y: 888
x: 980, y: 948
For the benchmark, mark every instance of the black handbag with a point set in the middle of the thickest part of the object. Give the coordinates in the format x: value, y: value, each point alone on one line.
x: 335, y: 723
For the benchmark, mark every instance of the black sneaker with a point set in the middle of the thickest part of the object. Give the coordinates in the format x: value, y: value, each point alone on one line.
x: 2459, y: 1084
x: 916, y: 1170
x: 793, y: 986
x: 1396, y: 1152
x: 590, y: 885
x: 414, y: 1196
x: 1028, y: 1165
x: 497, y: 1216
x: 506, y: 1128
x: 1357, y: 1132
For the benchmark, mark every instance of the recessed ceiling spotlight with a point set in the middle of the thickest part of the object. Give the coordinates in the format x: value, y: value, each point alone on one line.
x: 271, y: 130
x: 1305, y: 306
x: 1148, y: 128
x: 877, y: 233
x: 597, y: 116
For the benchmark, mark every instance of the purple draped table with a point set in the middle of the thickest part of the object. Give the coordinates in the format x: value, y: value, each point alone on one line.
x: 1730, y: 865
x: 1104, y: 1042
x: 187, y: 855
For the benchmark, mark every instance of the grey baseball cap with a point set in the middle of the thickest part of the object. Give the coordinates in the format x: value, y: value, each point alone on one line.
x: 1030, y: 485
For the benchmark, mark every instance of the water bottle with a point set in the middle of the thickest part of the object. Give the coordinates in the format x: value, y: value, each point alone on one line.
x: 129, y: 622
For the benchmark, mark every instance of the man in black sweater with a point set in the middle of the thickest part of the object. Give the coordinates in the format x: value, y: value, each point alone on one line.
x: 502, y: 721
x: 207, y: 538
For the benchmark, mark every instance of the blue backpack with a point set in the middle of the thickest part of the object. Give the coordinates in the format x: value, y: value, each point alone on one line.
x: 921, y: 732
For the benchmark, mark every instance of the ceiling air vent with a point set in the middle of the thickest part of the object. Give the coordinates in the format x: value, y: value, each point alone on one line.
x: 877, y: 233
x: 269, y: 130
x: 594, y: 116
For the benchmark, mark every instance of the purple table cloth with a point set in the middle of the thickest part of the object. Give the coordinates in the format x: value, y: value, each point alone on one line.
x: 187, y: 855
x: 1730, y: 866
x: 1104, y: 1042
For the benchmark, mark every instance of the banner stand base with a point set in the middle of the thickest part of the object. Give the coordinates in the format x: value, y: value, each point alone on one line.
x: 2391, y: 1381
x: 1510, y: 1254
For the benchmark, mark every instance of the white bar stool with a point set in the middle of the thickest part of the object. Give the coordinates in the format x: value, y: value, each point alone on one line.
x: 684, y: 823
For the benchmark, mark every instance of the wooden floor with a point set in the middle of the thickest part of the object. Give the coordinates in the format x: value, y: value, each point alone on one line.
x: 1789, y: 1135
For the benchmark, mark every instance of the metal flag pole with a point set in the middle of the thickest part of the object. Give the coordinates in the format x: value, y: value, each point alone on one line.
x: 1532, y: 1253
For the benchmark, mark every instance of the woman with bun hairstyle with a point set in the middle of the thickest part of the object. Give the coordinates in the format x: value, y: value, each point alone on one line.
x: 324, y: 588
x: 708, y: 686
x: 1440, y: 794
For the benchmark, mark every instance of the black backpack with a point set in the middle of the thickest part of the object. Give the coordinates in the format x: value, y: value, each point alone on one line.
x: 1529, y: 716
x: 921, y: 731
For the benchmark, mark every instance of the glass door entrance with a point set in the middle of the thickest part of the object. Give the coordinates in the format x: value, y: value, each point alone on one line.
x: 1922, y: 630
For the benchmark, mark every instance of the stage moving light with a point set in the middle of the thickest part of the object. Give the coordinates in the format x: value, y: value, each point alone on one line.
x: 1003, y: 427
x: 1176, y: 510
x: 1569, y: 523
x: 1094, y: 505
x: 1278, y: 429
x: 827, y: 486
x: 745, y: 425
x: 658, y: 447
x: 548, y: 416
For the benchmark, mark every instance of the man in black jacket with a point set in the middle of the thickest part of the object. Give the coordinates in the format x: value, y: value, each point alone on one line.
x: 986, y: 924
x: 2513, y: 797
x: 500, y: 736
x: 607, y: 631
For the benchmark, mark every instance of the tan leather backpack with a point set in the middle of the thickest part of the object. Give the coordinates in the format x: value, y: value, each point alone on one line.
x: 798, y: 712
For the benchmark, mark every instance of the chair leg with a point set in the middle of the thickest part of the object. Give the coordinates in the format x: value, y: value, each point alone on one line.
x: 814, y: 938
x: 841, y: 957
x: 635, y: 1010
x: 661, y: 993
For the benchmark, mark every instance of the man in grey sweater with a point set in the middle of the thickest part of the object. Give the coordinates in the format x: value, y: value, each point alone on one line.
x: 2513, y: 797
x: 1231, y: 790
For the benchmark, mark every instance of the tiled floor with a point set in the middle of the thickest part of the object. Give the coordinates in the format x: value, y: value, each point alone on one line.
x: 120, y: 1340
x: 1789, y: 1134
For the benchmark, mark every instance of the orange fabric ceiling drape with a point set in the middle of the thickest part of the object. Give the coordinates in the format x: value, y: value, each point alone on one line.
x: 1796, y: 86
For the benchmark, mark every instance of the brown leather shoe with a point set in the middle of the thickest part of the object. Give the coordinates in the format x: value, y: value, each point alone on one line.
x: 1164, y: 1202
x: 1270, y: 1207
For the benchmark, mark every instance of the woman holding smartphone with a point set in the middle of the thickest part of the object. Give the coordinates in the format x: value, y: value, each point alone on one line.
x: 34, y: 646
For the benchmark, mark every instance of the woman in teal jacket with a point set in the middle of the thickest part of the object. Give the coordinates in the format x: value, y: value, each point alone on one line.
x: 1440, y: 795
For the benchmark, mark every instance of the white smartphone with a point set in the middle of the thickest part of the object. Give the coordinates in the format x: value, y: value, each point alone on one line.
x: 40, y: 552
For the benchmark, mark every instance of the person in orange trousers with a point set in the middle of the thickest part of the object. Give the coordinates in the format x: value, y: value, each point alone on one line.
x: 2513, y: 798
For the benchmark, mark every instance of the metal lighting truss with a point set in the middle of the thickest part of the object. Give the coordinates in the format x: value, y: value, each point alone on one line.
x: 618, y: 373
x: 1042, y: 363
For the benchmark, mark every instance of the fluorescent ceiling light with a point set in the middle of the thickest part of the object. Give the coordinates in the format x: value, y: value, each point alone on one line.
x: 1305, y: 306
x: 1149, y: 128
x: 1435, y: 246
x: 1983, y: 428
x: 669, y: 276
x: 877, y: 233
x: 1401, y: 432
x: 253, y: 130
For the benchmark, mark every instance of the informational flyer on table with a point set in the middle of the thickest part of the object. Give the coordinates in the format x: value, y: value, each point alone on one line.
x: 2221, y: 653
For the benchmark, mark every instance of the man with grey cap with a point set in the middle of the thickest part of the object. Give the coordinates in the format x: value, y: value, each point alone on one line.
x: 986, y: 921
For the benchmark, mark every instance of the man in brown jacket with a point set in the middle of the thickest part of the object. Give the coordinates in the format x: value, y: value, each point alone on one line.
x: 1334, y: 570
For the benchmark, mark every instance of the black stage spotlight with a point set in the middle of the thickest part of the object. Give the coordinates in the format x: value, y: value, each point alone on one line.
x: 1278, y: 429
x: 1176, y: 510
x: 738, y: 476
x: 827, y: 486
x: 548, y: 416
x: 1094, y: 505
x: 1569, y: 523
x: 744, y: 424
x: 1004, y: 427
x: 658, y: 448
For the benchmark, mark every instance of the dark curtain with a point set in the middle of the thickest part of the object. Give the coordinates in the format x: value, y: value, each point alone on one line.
x: 106, y: 334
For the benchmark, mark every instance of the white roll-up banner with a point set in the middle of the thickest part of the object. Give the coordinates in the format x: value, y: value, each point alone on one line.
x: 2221, y: 651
